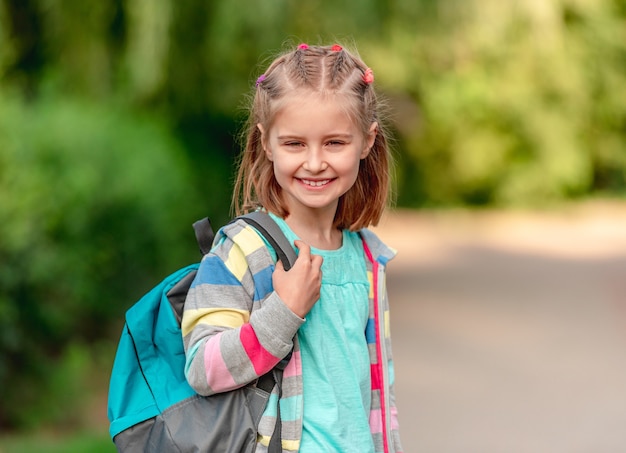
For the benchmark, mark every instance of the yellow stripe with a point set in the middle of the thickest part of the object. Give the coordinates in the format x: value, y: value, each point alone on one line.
x: 387, y: 325
x: 247, y: 241
x: 291, y: 445
x: 236, y: 263
x: 224, y: 317
x: 370, y: 279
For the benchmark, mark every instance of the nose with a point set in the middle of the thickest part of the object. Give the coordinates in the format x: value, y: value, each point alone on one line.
x: 314, y: 161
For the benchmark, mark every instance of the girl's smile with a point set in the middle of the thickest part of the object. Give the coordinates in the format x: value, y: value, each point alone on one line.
x: 312, y: 183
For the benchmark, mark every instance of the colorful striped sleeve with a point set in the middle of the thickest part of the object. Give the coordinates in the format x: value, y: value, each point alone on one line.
x: 235, y: 328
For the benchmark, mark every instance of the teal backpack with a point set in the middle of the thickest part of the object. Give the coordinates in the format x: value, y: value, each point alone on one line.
x: 150, y: 403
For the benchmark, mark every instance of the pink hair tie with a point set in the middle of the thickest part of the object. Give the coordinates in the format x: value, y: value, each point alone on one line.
x: 336, y: 48
x: 368, y: 76
x: 303, y: 46
x: 260, y: 80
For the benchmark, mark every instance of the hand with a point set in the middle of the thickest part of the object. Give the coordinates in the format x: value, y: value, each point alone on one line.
x: 299, y: 288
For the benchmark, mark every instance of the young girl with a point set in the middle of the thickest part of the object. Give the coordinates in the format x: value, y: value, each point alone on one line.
x: 316, y: 158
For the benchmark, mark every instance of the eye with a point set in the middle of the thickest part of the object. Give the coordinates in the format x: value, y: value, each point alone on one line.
x: 292, y: 145
x: 336, y: 143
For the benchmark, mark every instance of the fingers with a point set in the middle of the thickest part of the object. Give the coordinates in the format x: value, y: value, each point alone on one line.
x: 317, y: 260
x: 303, y: 248
x: 305, y: 254
x: 299, y: 288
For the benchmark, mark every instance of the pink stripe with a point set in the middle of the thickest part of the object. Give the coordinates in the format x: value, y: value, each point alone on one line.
x: 261, y: 359
x: 376, y: 421
x: 394, y: 418
x: 375, y: 377
x: 291, y: 369
x: 379, y: 351
x: 217, y: 375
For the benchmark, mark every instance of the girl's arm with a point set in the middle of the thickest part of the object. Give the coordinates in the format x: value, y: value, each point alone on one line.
x: 235, y: 327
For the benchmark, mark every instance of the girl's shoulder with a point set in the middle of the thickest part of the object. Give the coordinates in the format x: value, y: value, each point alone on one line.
x: 380, y: 251
x: 241, y: 242
x: 239, y: 232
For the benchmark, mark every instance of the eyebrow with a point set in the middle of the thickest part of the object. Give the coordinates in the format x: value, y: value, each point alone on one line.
x: 293, y: 137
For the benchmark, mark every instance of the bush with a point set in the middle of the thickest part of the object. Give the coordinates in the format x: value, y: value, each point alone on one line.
x: 96, y: 205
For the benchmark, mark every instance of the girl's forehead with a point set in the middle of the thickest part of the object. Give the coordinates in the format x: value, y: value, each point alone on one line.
x: 314, y: 101
x: 313, y: 97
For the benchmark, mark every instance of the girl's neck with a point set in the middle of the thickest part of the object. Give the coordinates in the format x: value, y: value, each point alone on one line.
x: 316, y: 231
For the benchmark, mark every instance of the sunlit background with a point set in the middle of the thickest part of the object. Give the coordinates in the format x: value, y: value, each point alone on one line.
x: 119, y: 124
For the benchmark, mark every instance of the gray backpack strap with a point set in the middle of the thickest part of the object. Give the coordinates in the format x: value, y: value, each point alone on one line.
x: 272, y: 232
x: 263, y: 223
x: 204, y: 235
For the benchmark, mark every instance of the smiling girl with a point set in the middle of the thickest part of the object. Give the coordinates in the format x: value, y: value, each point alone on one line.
x: 316, y: 159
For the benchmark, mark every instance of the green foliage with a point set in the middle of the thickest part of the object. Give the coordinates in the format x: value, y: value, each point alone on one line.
x: 97, y: 205
x: 509, y: 103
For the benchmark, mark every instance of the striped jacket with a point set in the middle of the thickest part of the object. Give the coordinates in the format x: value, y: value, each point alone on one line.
x: 235, y: 329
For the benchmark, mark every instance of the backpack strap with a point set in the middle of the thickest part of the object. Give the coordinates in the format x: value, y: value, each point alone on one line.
x: 263, y: 223
x: 204, y: 235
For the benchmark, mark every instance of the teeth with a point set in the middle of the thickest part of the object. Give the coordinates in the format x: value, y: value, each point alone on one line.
x: 316, y: 183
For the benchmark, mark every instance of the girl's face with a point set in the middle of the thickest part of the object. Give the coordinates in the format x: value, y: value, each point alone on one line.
x: 315, y: 148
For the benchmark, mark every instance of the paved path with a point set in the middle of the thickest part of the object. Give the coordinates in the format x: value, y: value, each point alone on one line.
x: 509, y: 330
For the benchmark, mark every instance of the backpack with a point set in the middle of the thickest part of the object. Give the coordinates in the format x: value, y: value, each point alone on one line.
x: 151, y: 407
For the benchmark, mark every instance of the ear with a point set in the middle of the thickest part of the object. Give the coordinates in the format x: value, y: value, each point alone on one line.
x: 369, y: 139
x: 266, y: 148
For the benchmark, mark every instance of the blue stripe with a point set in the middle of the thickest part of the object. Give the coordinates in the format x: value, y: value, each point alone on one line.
x: 370, y: 331
x: 212, y: 269
x: 263, y: 283
x: 287, y: 406
x: 190, y: 355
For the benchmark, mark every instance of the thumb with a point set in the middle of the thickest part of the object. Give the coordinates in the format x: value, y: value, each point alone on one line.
x: 303, y: 249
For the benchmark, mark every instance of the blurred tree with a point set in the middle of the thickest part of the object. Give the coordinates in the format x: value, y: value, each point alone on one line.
x: 507, y: 103
x: 96, y: 208
x: 21, y: 55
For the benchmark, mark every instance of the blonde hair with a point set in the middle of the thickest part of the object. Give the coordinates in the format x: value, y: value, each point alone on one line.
x: 319, y: 69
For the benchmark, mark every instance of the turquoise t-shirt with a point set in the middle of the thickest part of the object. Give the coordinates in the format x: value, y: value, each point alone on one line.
x: 335, y: 357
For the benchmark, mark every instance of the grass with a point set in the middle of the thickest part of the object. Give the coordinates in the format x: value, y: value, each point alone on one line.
x: 72, y: 417
x: 46, y: 442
